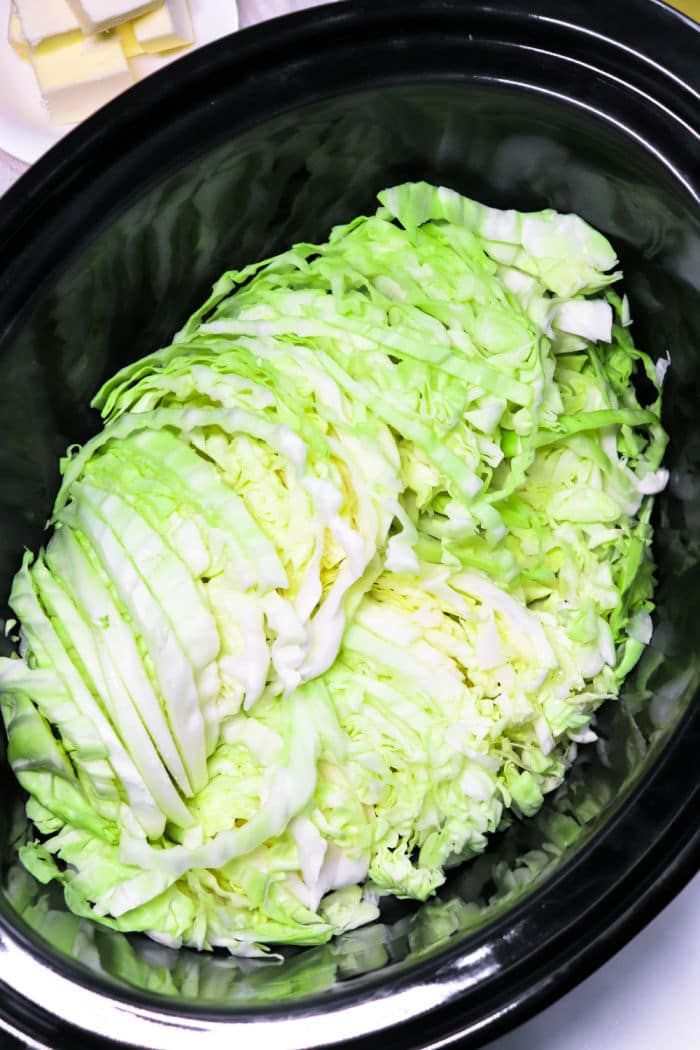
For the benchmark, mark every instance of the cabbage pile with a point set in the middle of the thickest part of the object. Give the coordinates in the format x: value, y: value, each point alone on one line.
x: 341, y: 581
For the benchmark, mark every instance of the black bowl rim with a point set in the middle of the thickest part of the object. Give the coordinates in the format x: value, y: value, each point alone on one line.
x: 648, y: 881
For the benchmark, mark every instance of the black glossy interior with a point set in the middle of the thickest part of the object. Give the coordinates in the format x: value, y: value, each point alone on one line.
x: 108, y: 252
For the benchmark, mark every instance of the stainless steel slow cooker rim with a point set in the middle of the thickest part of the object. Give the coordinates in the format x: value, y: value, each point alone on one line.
x: 17, y: 959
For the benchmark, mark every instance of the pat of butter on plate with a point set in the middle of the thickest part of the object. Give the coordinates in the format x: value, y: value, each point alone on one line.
x: 78, y: 77
x: 29, y: 126
x: 166, y: 28
x: 95, y: 16
x: 130, y: 44
x: 16, y: 36
x: 43, y: 19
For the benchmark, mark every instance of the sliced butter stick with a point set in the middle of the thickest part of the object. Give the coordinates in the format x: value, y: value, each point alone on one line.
x: 95, y: 16
x: 44, y: 19
x: 78, y: 77
x: 15, y: 35
x: 166, y: 28
x: 130, y: 44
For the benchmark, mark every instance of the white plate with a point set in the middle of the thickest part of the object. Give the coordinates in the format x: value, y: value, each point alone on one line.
x: 26, y: 130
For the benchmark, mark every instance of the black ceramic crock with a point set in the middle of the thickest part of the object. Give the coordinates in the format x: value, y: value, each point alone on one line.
x: 270, y: 136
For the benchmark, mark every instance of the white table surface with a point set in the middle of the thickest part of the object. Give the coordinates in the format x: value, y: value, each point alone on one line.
x: 645, y: 997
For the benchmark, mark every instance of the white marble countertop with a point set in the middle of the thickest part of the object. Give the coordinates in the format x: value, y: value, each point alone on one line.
x: 645, y: 998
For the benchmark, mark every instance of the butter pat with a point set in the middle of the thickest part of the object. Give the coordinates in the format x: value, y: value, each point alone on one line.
x: 95, y: 16
x: 166, y: 28
x: 130, y: 44
x: 80, y: 76
x: 43, y: 19
x: 16, y: 36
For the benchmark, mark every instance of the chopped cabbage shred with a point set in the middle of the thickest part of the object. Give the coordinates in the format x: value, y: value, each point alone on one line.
x: 342, y: 579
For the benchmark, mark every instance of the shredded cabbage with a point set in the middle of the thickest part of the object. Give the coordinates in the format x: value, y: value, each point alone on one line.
x: 341, y: 581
